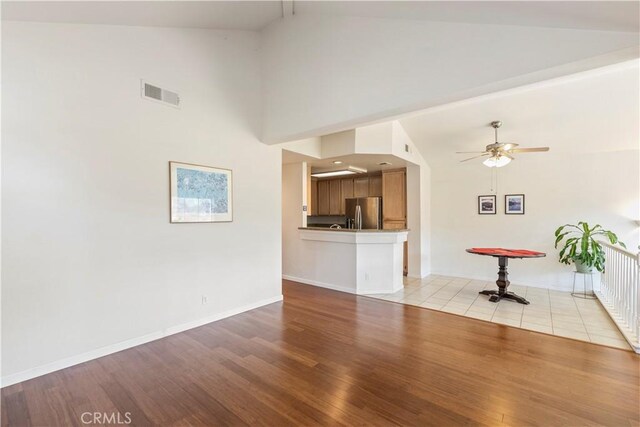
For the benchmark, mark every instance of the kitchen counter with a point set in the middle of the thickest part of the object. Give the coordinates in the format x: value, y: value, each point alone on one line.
x: 352, y: 230
x: 355, y: 261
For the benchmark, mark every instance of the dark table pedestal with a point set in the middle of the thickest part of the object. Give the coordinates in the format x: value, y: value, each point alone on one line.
x: 503, y: 284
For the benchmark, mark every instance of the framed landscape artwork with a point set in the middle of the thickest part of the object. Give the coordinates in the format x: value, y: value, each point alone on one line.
x: 514, y: 204
x: 200, y: 193
x: 487, y: 205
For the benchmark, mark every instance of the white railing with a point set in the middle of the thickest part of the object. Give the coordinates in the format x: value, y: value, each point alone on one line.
x: 619, y: 291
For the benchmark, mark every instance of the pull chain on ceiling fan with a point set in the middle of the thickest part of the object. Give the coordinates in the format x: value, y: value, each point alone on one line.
x: 500, y: 152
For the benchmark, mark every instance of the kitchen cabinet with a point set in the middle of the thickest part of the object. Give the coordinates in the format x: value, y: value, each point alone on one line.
x: 375, y: 186
x: 335, y: 197
x: 323, y: 198
x: 394, y: 225
x: 329, y: 196
x: 361, y: 187
x: 394, y: 196
x: 346, y: 187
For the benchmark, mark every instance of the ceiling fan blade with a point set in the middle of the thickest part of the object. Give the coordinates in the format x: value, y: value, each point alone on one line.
x: 529, y: 150
x: 509, y: 146
x: 475, y: 157
x: 470, y: 152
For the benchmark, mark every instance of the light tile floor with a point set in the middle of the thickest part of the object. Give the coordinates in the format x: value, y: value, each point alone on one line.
x: 551, y: 312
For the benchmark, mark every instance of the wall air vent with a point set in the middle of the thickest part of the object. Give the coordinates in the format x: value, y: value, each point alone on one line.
x: 157, y: 94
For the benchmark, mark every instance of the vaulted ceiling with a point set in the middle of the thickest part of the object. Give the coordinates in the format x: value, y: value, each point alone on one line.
x: 329, y: 66
x: 255, y: 15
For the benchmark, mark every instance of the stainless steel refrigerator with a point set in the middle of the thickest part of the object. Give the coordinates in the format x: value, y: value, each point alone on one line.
x: 364, y: 212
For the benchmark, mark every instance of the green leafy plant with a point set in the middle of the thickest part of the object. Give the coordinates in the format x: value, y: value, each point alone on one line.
x: 581, y: 244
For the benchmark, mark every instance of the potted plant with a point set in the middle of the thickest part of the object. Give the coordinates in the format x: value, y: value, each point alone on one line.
x: 581, y: 246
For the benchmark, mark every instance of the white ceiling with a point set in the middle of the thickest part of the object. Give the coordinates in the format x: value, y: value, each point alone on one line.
x: 595, y: 15
x: 370, y: 162
x: 237, y: 15
x: 564, y: 114
x: 255, y: 15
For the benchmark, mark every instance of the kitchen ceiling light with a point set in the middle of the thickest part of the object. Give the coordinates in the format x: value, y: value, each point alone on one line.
x: 332, y: 173
x: 497, y: 161
x: 385, y: 163
x: 351, y: 170
x: 337, y: 162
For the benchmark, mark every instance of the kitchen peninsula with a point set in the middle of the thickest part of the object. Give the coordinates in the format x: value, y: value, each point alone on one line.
x: 328, y: 200
x: 355, y: 261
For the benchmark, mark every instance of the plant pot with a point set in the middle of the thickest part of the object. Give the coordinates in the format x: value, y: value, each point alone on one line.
x: 582, y: 268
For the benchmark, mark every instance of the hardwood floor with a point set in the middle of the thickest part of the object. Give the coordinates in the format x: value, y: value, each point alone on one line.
x: 330, y: 358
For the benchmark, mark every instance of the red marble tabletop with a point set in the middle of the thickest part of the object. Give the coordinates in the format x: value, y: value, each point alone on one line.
x: 507, y: 253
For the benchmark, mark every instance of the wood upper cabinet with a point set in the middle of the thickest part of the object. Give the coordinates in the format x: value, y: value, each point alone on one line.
x: 313, y: 198
x: 394, y: 196
x: 328, y: 195
x: 361, y: 187
x: 347, y: 192
x: 335, y: 197
x: 375, y: 186
x: 323, y: 198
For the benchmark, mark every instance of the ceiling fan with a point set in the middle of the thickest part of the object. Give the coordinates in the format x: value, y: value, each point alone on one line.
x: 500, y: 152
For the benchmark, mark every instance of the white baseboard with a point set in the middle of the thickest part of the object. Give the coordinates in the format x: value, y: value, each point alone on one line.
x: 319, y: 284
x: 123, y: 345
x: 628, y: 335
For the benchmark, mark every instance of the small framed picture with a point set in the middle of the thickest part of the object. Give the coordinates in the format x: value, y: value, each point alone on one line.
x: 487, y: 205
x: 514, y: 204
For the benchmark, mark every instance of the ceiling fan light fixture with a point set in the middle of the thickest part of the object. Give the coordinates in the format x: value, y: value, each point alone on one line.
x: 500, y: 153
x: 497, y: 161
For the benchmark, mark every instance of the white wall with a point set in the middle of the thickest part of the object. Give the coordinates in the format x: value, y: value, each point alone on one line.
x: 374, y: 139
x: 597, y: 188
x: 89, y: 257
x: 324, y: 74
x: 293, y: 198
x: 311, y: 147
x: 418, y: 201
x: 338, y: 144
x: 591, y: 123
x: 419, y: 220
